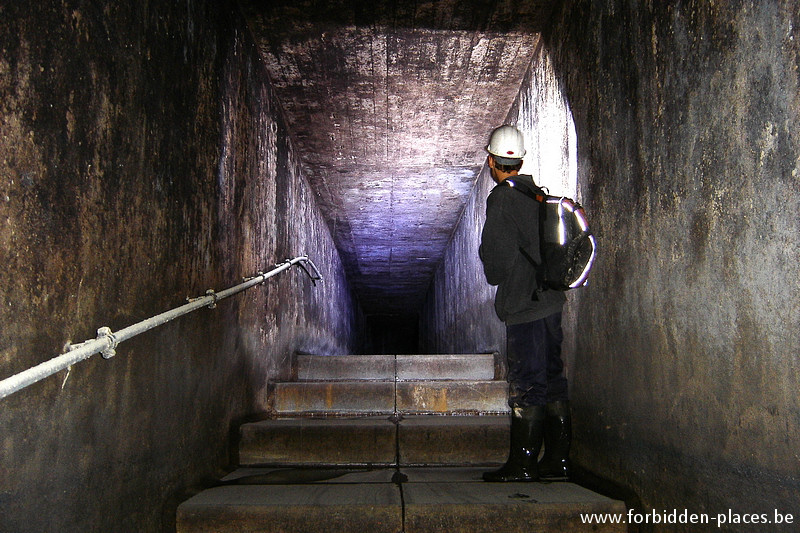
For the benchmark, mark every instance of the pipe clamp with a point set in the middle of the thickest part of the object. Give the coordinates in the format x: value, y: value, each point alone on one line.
x: 106, y: 333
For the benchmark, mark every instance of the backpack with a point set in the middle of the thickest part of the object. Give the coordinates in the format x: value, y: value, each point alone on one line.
x: 566, y: 246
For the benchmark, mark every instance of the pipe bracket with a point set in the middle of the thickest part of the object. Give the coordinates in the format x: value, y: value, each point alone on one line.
x: 106, y: 333
x: 213, y: 304
x: 259, y: 274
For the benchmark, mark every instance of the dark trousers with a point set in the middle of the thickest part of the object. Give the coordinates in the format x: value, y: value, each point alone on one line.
x: 535, y: 368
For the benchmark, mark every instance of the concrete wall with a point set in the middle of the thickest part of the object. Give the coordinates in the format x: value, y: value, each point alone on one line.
x: 686, y: 371
x: 458, y: 314
x: 684, y: 365
x: 143, y: 159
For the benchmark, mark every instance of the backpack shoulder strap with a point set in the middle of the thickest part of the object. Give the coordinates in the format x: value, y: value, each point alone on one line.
x: 540, y: 197
x: 535, y: 194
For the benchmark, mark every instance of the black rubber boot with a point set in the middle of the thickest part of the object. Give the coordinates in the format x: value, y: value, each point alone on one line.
x: 527, y: 432
x: 557, y: 437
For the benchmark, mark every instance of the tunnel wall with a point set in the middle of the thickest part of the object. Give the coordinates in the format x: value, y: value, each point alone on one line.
x: 685, y: 379
x: 144, y: 160
x: 458, y: 315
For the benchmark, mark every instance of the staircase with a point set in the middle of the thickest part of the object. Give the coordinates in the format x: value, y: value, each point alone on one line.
x: 383, y: 443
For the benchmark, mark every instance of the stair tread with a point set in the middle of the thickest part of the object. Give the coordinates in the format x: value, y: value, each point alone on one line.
x: 419, y: 379
x: 480, y: 507
x: 374, y: 507
x: 433, y: 499
x: 393, y: 356
x: 294, y: 494
x: 328, y: 474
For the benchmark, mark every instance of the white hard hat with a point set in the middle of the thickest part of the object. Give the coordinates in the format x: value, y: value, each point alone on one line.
x: 506, y: 145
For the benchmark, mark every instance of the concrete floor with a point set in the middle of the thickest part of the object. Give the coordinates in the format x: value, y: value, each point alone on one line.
x: 390, y: 499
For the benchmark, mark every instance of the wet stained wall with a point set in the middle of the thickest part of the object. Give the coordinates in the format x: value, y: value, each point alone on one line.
x: 143, y: 159
x: 686, y: 368
x: 684, y: 363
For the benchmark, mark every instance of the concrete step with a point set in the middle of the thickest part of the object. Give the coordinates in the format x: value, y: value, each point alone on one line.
x: 452, y: 397
x: 391, y: 367
x: 461, y: 367
x: 459, y: 501
x: 334, y: 397
x: 419, y: 500
x: 382, y: 397
x: 453, y: 440
x: 330, y: 507
x: 418, y: 439
x: 345, y: 367
x: 327, y: 441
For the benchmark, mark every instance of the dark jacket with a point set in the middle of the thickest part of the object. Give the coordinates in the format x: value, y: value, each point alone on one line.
x: 512, y: 221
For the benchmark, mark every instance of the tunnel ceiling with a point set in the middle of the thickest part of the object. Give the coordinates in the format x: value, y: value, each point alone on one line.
x: 389, y: 106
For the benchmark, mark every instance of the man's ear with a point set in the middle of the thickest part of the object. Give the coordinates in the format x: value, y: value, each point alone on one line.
x: 490, y: 161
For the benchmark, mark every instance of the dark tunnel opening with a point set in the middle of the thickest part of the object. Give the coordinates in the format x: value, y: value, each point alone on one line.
x: 392, y: 334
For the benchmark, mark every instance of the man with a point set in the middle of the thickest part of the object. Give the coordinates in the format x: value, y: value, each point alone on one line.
x: 537, y: 387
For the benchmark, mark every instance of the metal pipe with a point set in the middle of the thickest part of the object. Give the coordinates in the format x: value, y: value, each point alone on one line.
x: 107, y: 341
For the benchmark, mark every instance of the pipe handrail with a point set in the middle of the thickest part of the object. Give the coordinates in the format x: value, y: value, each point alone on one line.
x: 107, y: 341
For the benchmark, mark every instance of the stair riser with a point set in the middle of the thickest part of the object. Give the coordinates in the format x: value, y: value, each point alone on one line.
x: 390, y: 367
x: 478, y: 368
x: 456, y: 440
x: 455, y: 397
x: 419, y: 440
x: 334, y: 397
x: 385, y: 397
x: 319, y: 442
x: 350, y: 367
